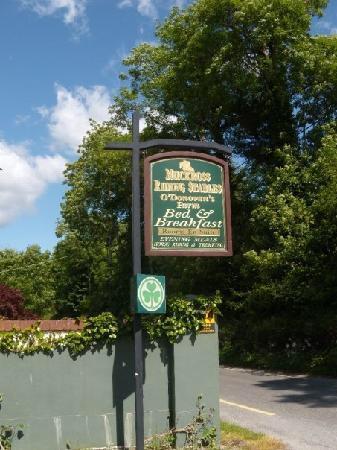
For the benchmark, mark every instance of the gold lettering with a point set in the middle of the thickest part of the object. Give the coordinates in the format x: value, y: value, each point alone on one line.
x: 168, y: 187
x: 184, y: 175
x: 169, y: 231
x: 205, y: 188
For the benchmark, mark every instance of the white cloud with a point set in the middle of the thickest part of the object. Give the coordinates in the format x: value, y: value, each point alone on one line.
x: 24, y: 178
x: 147, y: 8
x: 144, y: 7
x: 68, y: 120
x: 124, y: 3
x: 150, y: 8
x: 73, y: 11
x: 43, y: 111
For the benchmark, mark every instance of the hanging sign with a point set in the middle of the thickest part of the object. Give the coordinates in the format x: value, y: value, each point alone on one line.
x: 187, y: 205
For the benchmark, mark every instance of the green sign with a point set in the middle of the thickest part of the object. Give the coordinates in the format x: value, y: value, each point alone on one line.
x: 187, y: 205
x: 149, y: 294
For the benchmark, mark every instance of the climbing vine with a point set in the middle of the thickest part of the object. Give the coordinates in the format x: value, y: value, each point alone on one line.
x: 97, y: 331
x: 184, y: 316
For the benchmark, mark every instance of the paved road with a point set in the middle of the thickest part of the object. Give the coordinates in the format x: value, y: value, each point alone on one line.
x: 299, y: 410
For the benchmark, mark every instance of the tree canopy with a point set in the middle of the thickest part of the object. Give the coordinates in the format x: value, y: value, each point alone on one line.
x: 288, y: 294
x: 91, y: 267
x: 244, y: 72
x: 247, y: 73
x: 30, y: 271
x: 12, y: 304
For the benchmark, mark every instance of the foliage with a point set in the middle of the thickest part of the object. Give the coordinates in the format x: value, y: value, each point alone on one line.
x: 315, y: 362
x: 12, y: 304
x: 244, y: 72
x: 72, y: 280
x: 183, y: 317
x: 91, y: 271
x: 163, y: 441
x: 250, y: 75
x: 8, y: 432
x: 97, y: 332
x: 200, y: 433
x: 90, y: 268
x: 287, y: 302
x: 30, y: 271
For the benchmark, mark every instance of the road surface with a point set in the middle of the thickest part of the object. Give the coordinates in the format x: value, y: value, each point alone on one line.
x: 299, y: 410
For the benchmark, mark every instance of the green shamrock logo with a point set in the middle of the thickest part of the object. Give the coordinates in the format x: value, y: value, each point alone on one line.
x: 151, y: 294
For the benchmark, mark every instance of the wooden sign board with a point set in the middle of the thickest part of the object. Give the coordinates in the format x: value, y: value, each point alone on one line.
x: 187, y: 205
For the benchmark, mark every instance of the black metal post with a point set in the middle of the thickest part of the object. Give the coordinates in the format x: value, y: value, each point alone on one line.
x: 137, y: 268
x: 171, y: 390
x: 137, y: 147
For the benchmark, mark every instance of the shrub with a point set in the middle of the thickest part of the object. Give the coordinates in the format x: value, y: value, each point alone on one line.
x: 12, y: 304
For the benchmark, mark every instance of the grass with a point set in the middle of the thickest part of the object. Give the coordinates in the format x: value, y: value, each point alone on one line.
x: 235, y: 437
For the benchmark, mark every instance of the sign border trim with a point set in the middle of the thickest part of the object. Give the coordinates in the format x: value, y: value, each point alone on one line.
x: 149, y: 251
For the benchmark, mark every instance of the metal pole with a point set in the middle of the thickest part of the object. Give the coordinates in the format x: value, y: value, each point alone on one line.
x: 172, y: 391
x: 137, y: 268
x: 136, y: 147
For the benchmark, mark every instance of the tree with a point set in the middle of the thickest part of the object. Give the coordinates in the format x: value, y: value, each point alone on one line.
x: 92, y: 262
x: 30, y: 271
x: 71, y: 271
x: 246, y: 73
x: 249, y: 74
x: 12, y: 304
x: 315, y: 75
x: 240, y: 72
x: 288, y: 297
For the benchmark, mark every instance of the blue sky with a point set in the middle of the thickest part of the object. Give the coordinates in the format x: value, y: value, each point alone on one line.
x: 60, y: 61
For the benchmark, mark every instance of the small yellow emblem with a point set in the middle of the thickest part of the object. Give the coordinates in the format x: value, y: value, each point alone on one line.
x: 209, y: 323
x: 186, y: 166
